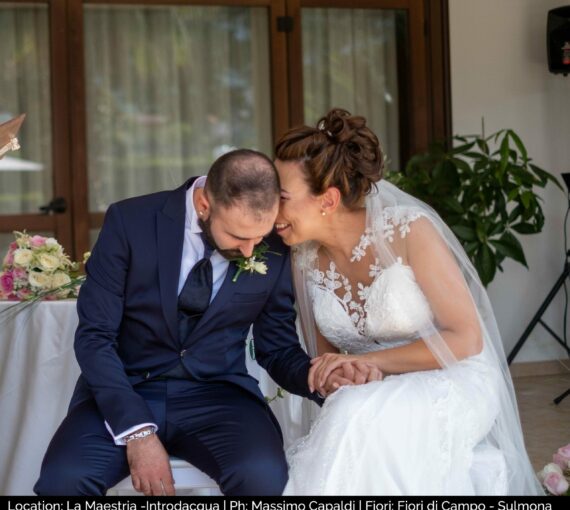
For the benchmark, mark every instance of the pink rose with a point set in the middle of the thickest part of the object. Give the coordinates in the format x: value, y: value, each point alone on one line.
x: 563, y: 455
x: 7, y: 282
x: 13, y: 246
x: 555, y: 483
x: 23, y: 293
x: 20, y: 274
x: 37, y: 241
x: 9, y: 258
x: 561, y: 461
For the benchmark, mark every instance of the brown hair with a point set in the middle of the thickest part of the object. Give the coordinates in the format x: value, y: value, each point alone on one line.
x: 341, y: 152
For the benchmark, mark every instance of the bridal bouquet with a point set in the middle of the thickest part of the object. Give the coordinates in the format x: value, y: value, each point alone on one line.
x: 37, y: 267
x: 555, y: 475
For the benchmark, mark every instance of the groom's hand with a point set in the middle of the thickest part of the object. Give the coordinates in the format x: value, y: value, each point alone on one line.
x: 149, y: 464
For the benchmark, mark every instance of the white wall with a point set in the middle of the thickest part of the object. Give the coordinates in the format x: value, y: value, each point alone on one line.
x: 499, y: 71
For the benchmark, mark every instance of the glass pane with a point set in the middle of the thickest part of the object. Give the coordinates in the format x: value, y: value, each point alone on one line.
x: 26, y: 175
x: 168, y: 90
x: 350, y: 61
x: 93, y: 235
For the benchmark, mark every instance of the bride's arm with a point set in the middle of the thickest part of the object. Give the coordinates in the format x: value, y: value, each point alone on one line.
x: 444, y: 286
x: 442, y: 283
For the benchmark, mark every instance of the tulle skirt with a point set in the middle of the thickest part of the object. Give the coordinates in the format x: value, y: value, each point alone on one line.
x: 418, y: 433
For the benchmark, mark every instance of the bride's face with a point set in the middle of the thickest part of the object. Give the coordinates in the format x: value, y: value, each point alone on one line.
x: 299, y: 215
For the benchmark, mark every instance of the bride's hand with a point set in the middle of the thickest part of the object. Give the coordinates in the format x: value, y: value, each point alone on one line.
x: 324, y: 373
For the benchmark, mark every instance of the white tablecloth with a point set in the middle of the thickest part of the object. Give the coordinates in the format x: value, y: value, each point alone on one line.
x: 38, y: 372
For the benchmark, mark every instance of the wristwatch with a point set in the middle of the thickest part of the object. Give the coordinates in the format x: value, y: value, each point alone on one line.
x: 139, y: 434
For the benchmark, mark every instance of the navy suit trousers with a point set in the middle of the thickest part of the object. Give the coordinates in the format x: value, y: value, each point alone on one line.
x: 218, y: 427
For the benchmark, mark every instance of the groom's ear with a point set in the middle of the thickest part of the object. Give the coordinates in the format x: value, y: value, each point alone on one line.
x: 330, y: 200
x: 203, y: 204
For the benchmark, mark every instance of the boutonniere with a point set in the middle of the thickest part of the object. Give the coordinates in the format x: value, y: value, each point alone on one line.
x: 255, y: 263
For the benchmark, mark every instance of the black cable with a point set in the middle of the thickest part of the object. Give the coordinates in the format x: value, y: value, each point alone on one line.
x: 565, y: 320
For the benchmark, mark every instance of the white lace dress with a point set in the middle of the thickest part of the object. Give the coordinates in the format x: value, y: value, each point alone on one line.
x: 410, y: 434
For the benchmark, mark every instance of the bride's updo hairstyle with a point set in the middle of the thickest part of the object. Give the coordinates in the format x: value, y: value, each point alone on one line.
x: 341, y: 151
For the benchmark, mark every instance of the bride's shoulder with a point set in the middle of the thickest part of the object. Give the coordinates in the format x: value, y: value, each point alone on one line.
x: 398, y: 220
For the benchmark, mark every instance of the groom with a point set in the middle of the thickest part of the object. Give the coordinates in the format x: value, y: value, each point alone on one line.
x: 163, y: 319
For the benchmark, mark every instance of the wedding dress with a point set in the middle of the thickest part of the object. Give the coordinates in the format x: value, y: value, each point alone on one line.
x: 451, y: 430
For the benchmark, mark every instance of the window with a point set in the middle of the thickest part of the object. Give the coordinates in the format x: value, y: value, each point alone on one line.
x: 129, y: 97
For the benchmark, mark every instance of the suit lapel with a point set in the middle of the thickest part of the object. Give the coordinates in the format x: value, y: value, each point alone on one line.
x: 170, y: 238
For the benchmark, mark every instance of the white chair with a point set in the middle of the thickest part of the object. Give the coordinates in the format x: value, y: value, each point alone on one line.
x: 189, y: 481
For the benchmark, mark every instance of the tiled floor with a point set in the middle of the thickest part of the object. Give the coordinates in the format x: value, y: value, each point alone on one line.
x: 546, y: 426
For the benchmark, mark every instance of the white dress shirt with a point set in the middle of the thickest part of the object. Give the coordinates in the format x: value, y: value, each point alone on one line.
x: 192, y: 252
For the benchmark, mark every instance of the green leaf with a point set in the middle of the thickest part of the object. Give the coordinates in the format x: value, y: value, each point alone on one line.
x: 509, y: 246
x: 462, y: 148
x: 496, y: 135
x: 497, y: 229
x: 545, y: 176
x: 463, y: 232
x: 515, y: 213
x: 462, y: 165
x: 482, y: 144
x: 504, y: 154
x: 471, y: 247
x: 518, y: 143
x: 453, y: 204
x: 475, y: 155
x: 481, y: 232
x: 524, y: 228
x: 485, y: 264
x: 526, y: 198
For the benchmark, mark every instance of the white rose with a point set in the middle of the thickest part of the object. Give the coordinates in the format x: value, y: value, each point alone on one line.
x: 549, y: 468
x: 260, y: 267
x: 51, y: 242
x: 39, y: 280
x: 23, y: 257
x: 59, y: 279
x: 48, y: 261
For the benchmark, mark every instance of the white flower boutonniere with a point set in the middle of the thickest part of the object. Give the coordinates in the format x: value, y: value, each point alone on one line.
x: 255, y: 263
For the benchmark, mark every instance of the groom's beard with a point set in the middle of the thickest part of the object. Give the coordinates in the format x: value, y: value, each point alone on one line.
x: 206, y: 227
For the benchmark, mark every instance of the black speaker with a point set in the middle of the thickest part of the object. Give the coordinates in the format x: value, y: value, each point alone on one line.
x: 558, y: 40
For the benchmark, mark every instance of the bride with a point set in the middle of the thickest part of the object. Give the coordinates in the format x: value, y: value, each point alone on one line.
x: 380, y: 279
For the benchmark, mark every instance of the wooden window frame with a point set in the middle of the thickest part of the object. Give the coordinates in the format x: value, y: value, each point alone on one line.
x: 426, y: 118
x: 425, y: 115
x: 59, y: 224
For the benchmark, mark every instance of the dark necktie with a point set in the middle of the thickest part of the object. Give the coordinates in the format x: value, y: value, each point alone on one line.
x: 196, y: 293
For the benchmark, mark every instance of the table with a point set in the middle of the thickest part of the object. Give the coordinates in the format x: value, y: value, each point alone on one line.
x: 38, y: 372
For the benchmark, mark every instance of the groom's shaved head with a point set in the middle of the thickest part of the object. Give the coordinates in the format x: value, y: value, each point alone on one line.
x: 245, y: 178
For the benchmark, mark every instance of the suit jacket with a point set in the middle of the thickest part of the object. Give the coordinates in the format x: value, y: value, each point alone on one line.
x: 127, y: 307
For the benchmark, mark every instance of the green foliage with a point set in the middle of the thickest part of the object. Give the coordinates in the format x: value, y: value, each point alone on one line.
x: 485, y: 190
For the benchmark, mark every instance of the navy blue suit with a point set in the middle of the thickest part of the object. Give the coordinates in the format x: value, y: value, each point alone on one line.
x: 128, y: 336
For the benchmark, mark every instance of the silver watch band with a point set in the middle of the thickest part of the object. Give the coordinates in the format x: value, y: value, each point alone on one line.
x: 138, y: 435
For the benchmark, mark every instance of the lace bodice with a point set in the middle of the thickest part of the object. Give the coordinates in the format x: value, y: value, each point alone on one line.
x: 386, y: 313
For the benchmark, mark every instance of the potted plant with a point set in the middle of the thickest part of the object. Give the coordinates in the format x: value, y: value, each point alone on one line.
x: 485, y: 189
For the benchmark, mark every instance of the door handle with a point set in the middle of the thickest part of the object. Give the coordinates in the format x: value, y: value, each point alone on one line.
x: 57, y: 206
